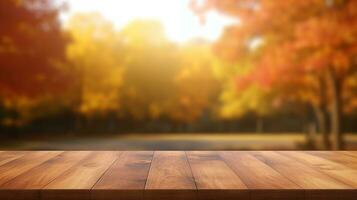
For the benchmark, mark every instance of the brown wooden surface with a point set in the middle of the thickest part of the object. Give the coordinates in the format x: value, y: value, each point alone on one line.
x: 176, y: 175
x: 126, y: 178
x: 170, y: 177
x: 212, y: 173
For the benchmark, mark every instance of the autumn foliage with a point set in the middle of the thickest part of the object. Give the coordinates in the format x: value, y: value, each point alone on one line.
x: 90, y: 68
x: 307, y: 53
x: 279, y: 56
x: 32, y: 48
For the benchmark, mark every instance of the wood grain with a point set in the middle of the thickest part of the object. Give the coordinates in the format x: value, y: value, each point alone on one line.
x: 299, y: 173
x: 264, y: 180
x: 126, y: 178
x: 9, y: 156
x: 21, y: 162
x: 213, y: 175
x: 18, y: 166
x: 338, y: 157
x: 41, y: 175
x: 79, y: 179
x: 350, y: 153
x: 176, y: 175
x: 170, y: 177
x: 256, y: 174
x: 337, y: 171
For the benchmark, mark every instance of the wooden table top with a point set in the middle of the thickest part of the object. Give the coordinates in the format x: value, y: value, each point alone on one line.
x: 137, y: 175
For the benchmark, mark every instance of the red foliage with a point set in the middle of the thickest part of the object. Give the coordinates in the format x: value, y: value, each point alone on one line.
x: 31, y: 47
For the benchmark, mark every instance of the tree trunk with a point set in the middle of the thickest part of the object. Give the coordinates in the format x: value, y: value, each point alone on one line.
x: 311, y: 136
x: 336, y: 111
x: 259, y: 125
x: 321, y: 117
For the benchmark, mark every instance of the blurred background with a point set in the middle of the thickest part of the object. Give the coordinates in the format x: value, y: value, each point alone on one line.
x: 178, y: 74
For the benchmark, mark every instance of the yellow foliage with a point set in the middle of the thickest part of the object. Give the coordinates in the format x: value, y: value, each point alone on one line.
x: 195, y: 83
x: 95, y: 55
x: 150, y: 66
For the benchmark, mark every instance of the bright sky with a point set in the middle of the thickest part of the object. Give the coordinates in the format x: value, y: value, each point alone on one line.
x: 180, y: 23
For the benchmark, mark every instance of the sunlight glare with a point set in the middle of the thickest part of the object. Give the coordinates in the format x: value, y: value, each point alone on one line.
x: 180, y: 23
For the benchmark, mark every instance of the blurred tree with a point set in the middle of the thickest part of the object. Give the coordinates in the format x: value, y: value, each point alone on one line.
x: 138, y: 73
x: 32, y: 44
x: 96, y: 57
x: 307, y: 52
x: 151, y: 64
x: 350, y: 94
x: 196, y: 87
x: 238, y: 95
x: 32, y: 53
x: 326, y: 44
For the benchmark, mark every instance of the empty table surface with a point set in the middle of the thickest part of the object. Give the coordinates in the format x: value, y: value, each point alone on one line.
x: 201, y: 175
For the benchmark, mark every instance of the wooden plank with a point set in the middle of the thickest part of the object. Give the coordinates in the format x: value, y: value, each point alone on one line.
x: 75, y: 183
x: 338, y: 157
x: 170, y: 177
x: 18, y: 166
x: 214, y: 179
x: 337, y: 171
x: 41, y: 175
x: 350, y: 153
x: 262, y: 180
x: 8, y: 156
x: 323, y: 193
x: 256, y: 174
x: 178, y: 175
x: 301, y: 174
x: 126, y: 178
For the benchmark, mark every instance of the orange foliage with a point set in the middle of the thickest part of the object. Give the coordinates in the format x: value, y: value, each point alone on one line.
x: 31, y: 48
x: 301, y: 39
